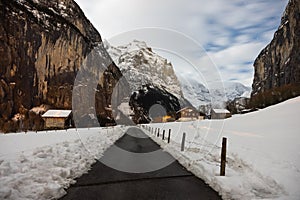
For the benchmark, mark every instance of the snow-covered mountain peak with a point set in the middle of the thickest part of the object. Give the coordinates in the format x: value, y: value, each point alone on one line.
x: 199, y: 94
x: 235, y: 89
x: 141, y: 66
x: 131, y: 47
x: 135, y: 45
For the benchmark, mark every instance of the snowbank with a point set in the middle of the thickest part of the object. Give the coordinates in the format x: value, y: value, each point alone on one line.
x: 41, y: 165
x: 263, y: 156
x: 263, y: 159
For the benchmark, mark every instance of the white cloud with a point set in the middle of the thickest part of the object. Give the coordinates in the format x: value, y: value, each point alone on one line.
x: 235, y: 62
x: 233, y: 32
x: 236, y: 54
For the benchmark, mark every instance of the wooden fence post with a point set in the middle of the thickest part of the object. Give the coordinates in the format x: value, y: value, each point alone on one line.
x: 223, y: 157
x: 169, y: 136
x: 182, y: 142
x: 163, y: 137
x: 158, y: 133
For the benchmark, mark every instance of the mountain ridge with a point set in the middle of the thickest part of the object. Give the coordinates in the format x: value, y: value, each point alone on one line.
x: 199, y: 95
x: 140, y: 66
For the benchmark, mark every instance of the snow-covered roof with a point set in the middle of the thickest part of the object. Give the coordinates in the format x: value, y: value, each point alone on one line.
x: 186, y: 108
x: 221, y: 110
x: 57, y: 113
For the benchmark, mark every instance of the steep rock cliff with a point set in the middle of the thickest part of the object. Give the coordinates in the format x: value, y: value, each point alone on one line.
x: 149, y: 96
x: 277, y: 67
x: 42, y: 46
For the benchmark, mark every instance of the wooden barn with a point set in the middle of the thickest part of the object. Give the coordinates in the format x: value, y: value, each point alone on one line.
x: 187, y: 114
x: 166, y: 118
x: 220, y: 113
x: 57, y: 119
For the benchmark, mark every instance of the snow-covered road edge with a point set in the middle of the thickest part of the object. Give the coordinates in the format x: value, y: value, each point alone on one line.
x: 241, y: 181
x: 45, y: 172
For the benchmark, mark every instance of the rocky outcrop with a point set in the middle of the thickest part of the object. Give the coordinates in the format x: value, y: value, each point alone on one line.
x: 238, y: 105
x: 277, y: 68
x: 42, y: 46
x: 150, y: 96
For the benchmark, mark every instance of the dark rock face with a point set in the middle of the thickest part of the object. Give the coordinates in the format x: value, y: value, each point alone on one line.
x: 238, y: 105
x: 277, y: 68
x: 42, y: 46
x: 148, y: 96
x: 93, y: 90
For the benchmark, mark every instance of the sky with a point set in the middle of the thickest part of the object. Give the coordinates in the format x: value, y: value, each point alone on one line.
x: 228, y: 33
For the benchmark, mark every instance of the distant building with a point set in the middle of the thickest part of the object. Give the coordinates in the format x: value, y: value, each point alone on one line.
x: 220, y: 114
x: 57, y: 118
x: 157, y: 120
x: 163, y: 119
x: 188, y: 113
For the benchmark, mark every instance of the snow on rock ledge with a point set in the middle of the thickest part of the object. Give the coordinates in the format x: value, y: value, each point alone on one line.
x: 141, y: 66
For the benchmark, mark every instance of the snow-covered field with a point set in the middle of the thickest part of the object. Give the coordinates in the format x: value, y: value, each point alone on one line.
x: 263, y: 154
x: 40, y: 165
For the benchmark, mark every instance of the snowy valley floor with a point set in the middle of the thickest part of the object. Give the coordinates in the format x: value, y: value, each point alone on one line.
x: 263, y: 156
x: 40, y: 165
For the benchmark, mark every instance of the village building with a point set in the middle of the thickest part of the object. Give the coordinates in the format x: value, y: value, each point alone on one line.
x: 57, y: 119
x: 188, y: 114
x: 163, y: 119
x: 220, y: 113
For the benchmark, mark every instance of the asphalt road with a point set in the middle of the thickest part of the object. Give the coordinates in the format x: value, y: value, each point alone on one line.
x: 117, y: 175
